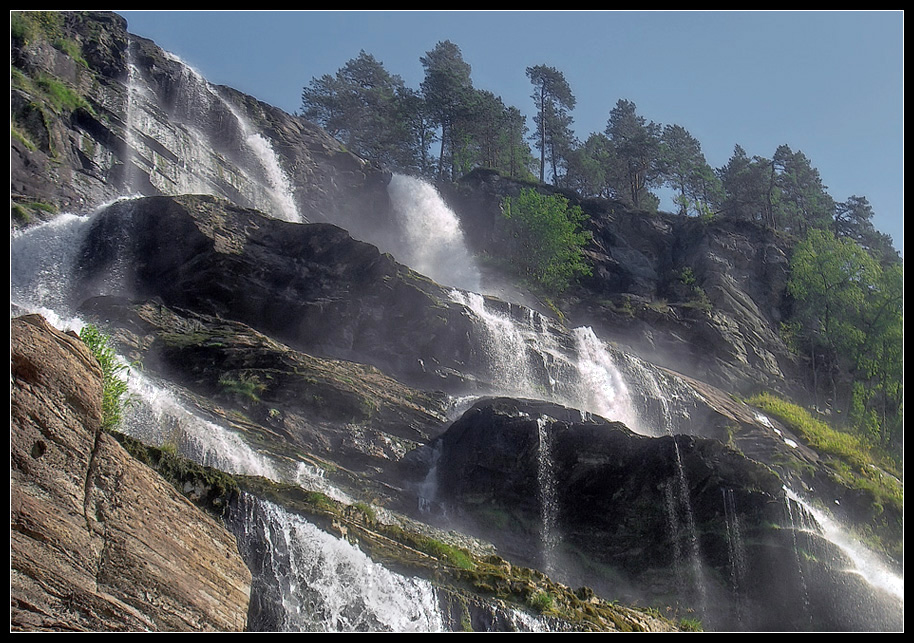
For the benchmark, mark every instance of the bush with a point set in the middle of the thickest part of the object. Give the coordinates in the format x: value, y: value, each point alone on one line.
x: 542, y: 239
x: 114, y: 388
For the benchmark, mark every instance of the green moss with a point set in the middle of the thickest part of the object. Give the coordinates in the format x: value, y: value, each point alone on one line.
x: 460, y: 558
x: 244, y: 385
x: 19, y: 136
x: 62, y: 98
x: 367, y: 511
x: 542, y: 602
x: 690, y: 625
x: 850, y: 463
x: 208, y: 488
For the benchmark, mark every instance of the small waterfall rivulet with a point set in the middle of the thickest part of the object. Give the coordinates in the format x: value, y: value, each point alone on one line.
x: 678, y: 495
x: 548, y: 497
x: 736, y: 551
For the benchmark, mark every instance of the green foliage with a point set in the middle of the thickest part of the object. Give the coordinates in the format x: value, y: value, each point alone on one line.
x: 455, y: 556
x: 698, y: 298
x: 542, y: 602
x: 860, y: 464
x: 28, y: 26
x: 114, y: 387
x: 543, y: 240
x: 554, y: 99
x: 815, y: 433
x: 683, y: 167
x: 687, y: 277
x: 637, y: 144
x: 851, y: 463
x: 245, y: 385
x: 849, y: 316
x: 62, y: 98
x: 691, y: 625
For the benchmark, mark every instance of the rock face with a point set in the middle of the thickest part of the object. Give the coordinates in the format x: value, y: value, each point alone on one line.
x: 312, y: 287
x: 646, y: 519
x: 323, y: 353
x: 99, y: 541
x: 143, y: 122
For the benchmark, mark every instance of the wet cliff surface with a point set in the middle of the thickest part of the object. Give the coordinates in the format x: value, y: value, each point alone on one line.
x: 272, y: 337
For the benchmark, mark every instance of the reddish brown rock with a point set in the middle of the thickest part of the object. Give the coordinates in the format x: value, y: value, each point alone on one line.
x: 99, y: 541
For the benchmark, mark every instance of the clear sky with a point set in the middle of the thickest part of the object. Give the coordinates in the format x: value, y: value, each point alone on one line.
x: 829, y: 84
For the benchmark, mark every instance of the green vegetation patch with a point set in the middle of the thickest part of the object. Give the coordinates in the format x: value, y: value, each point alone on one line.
x: 543, y: 241
x: 851, y: 464
x: 114, y: 386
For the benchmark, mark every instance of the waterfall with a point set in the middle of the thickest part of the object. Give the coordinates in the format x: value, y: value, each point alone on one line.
x: 800, y: 521
x: 41, y: 267
x: 526, y: 359
x: 548, y: 496
x: 430, y: 239
x: 736, y: 551
x: 678, y: 495
x: 306, y: 580
x: 603, y: 388
x: 865, y: 563
x: 428, y: 489
x: 191, y: 155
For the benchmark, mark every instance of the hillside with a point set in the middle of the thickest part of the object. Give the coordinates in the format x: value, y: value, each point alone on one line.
x: 341, y: 343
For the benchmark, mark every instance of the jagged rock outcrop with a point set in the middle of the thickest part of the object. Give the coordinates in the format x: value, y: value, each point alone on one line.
x: 251, y: 317
x: 99, y: 542
x: 349, y: 419
x: 645, y: 519
x: 138, y: 120
x: 312, y: 287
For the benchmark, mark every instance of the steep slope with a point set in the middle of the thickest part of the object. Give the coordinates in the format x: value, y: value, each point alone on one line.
x: 97, y: 540
x: 296, y: 353
x: 704, y: 298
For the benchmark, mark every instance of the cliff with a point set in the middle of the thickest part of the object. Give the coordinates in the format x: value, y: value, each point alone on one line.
x: 99, y: 542
x: 384, y: 463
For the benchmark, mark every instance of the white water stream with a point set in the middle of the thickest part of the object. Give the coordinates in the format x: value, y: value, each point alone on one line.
x: 865, y: 563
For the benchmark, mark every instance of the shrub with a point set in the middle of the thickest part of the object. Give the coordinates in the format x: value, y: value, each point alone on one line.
x: 114, y: 387
x: 542, y: 239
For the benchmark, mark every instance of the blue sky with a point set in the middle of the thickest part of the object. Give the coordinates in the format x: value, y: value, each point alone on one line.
x: 829, y: 84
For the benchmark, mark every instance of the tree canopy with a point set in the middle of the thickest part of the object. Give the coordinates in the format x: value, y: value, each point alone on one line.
x: 849, y: 316
x: 553, y: 99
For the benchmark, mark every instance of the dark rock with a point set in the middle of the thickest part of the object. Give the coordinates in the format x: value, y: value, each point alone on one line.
x: 644, y: 519
x: 310, y: 286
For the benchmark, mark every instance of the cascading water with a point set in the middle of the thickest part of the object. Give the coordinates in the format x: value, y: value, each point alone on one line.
x: 305, y: 570
x: 41, y: 267
x: 865, y: 563
x: 430, y: 239
x: 307, y: 580
x: 527, y: 360
x: 736, y: 551
x: 188, y: 156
